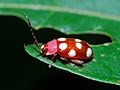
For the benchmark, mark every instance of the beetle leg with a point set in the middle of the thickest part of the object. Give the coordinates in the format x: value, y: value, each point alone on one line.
x: 77, y: 61
x: 52, y: 59
x: 65, y: 59
x: 50, y: 65
x: 72, y: 64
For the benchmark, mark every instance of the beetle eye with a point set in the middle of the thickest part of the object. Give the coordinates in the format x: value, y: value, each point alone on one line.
x: 43, y: 50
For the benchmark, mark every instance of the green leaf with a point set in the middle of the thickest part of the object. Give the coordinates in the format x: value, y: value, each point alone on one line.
x: 76, y: 17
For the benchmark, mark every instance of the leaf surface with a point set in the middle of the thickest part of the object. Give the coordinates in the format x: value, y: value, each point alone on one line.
x: 76, y: 17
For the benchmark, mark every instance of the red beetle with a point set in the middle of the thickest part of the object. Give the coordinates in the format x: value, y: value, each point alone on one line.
x: 71, y: 49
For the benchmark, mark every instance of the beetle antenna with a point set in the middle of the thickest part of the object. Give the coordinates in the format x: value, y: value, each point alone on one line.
x: 34, y: 37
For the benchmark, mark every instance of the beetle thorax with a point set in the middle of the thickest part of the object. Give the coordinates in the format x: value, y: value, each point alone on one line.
x: 51, y: 47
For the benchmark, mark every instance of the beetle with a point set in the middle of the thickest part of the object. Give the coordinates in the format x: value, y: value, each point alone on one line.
x: 73, y: 50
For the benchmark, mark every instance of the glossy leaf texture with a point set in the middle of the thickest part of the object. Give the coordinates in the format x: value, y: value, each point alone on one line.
x: 76, y: 17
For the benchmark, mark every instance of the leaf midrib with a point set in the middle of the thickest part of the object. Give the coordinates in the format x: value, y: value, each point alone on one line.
x: 60, y: 9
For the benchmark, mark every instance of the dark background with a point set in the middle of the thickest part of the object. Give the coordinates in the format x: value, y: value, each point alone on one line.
x: 20, y: 71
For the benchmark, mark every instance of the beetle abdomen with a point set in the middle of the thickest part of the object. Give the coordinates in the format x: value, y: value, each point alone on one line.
x: 73, y: 48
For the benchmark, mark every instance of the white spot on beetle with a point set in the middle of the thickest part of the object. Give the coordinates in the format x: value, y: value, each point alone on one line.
x: 63, y: 46
x: 61, y: 39
x: 78, y: 45
x: 77, y: 40
x: 89, y: 52
x: 72, y: 53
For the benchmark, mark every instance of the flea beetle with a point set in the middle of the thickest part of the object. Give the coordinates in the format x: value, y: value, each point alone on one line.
x: 73, y: 50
